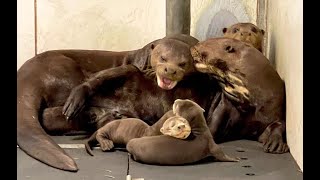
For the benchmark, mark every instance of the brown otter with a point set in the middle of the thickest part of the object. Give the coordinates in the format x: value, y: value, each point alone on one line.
x: 254, y: 87
x: 45, y: 81
x: 123, y: 130
x: 246, y: 32
x: 167, y: 150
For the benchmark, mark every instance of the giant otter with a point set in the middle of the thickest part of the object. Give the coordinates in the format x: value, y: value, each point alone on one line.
x: 253, y: 92
x: 167, y: 150
x: 45, y: 81
x: 123, y: 130
x: 246, y: 32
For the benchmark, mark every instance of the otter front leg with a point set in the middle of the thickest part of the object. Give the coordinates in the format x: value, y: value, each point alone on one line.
x: 78, y: 96
x: 272, y: 138
x: 103, y: 135
x: 222, y: 112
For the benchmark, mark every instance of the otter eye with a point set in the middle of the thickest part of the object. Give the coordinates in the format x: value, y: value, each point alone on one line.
x: 204, y: 55
x: 254, y: 30
x: 172, y: 124
x: 163, y: 59
x: 182, y: 65
x: 235, y: 30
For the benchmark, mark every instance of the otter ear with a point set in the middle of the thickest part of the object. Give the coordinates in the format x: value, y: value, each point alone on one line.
x: 224, y: 30
x: 262, y: 31
x: 152, y: 46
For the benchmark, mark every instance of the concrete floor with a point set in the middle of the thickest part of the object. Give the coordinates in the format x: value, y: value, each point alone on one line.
x: 255, y: 164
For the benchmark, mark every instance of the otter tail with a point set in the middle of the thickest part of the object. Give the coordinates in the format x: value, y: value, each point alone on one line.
x: 90, y: 142
x: 31, y: 137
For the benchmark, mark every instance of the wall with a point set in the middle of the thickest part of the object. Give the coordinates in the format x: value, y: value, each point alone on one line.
x: 82, y: 24
x: 285, y: 28
x: 25, y: 31
x: 209, y: 17
x: 114, y: 25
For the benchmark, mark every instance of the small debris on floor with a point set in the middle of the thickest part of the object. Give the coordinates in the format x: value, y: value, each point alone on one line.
x: 109, y: 176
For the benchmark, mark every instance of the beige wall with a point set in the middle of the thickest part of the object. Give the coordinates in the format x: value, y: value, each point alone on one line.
x: 204, y: 11
x: 285, y: 49
x: 25, y: 31
x: 95, y: 24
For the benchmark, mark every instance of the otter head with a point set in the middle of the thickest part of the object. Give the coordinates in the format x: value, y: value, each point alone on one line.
x: 171, y: 60
x: 192, y: 112
x: 222, y: 58
x: 246, y: 32
x: 177, y: 127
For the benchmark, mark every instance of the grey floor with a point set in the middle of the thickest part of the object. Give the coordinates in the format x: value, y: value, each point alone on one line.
x: 255, y: 164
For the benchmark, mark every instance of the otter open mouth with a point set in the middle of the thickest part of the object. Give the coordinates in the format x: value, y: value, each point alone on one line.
x: 166, y: 83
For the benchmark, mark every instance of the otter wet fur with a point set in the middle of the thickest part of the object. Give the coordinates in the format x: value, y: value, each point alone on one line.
x: 123, y: 130
x: 246, y: 32
x: 168, y: 150
x: 46, y: 80
x: 252, y: 85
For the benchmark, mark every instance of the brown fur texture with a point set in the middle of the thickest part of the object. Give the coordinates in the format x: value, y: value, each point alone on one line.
x: 246, y: 32
x: 46, y: 80
x: 253, y: 86
x: 167, y: 150
x: 123, y: 130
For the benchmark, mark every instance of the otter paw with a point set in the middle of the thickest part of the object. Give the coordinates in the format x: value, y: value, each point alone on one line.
x: 106, y: 145
x: 274, y: 144
x: 75, y: 102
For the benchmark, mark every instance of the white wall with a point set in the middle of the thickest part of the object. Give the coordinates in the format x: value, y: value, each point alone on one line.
x: 285, y: 28
x: 209, y: 17
x: 25, y: 31
x: 89, y: 24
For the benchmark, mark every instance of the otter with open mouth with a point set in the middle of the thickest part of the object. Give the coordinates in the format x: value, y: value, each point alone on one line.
x: 252, y: 85
x: 45, y: 81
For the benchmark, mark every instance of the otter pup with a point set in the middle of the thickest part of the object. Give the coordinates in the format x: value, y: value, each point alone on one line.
x: 167, y: 150
x: 123, y: 130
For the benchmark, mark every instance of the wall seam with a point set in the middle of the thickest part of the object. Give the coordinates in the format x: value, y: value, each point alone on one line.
x: 35, y: 28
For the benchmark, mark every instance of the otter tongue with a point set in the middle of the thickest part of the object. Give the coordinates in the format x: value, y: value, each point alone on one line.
x: 167, y: 81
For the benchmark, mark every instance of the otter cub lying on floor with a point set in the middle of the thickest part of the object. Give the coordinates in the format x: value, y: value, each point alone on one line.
x: 166, y: 150
x: 123, y: 130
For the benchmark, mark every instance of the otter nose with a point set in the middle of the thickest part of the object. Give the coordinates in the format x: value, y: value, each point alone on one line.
x: 245, y: 33
x: 169, y: 71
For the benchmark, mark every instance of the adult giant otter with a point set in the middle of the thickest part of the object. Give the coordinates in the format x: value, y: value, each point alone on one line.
x: 254, y: 88
x: 246, y: 32
x: 45, y: 81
